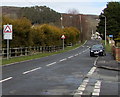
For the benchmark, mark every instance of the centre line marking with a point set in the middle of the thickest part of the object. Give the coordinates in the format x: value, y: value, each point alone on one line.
x: 76, y: 55
x: 51, y: 64
x: 6, y: 79
x: 63, y: 59
x: 70, y: 57
x: 31, y: 70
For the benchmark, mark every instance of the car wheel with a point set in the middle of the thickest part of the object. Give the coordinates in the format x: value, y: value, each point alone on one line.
x: 104, y: 54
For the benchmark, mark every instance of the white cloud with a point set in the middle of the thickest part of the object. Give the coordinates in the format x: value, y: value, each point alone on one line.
x: 59, y: 0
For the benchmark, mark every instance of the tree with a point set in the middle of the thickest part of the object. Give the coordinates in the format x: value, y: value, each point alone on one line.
x: 73, y: 11
x: 112, y: 13
x: 72, y: 35
x: 40, y: 14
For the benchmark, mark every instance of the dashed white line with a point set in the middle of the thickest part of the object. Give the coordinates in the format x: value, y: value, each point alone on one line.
x: 91, y: 71
x: 31, y: 70
x: 51, y: 64
x: 76, y: 55
x: 88, y: 46
x: 83, y: 51
x: 70, y: 57
x: 81, y: 88
x: 6, y: 79
x: 96, y: 90
x: 63, y: 59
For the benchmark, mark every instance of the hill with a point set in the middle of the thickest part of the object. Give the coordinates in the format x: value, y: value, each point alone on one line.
x: 13, y: 12
x: 37, y: 14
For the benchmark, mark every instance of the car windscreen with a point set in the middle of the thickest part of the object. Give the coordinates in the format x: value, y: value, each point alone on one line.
x: 97, y: 47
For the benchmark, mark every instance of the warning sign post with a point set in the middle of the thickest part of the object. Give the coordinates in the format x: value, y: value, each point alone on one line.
x: 63, y: 37
x: 7, y: 34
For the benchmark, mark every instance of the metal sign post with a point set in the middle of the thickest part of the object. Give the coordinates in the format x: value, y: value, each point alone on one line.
x: 7, y: 32
x: 63, y: 44
x: 7, y: 48
x: 63, y: 37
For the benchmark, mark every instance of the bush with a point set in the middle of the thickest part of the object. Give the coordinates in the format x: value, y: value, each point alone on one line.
x: 26, y: 34
x: 72, y: 35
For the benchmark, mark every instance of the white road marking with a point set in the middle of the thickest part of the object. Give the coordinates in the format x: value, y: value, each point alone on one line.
x: 31, y: 70
x: 70, y: 57
x: 96, y: 61
x: 85, y: 42
x: 81, y: 88
x: 91, y: 71
x: 63, y: 59
x: 51, y: 64
x: 76, y: 54
x: 6, y: 79
x: 96, y: 90
x: 88, y: 46
x: 76, y: 48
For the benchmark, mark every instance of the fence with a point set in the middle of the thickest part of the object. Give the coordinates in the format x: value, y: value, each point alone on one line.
x: 23, y: 51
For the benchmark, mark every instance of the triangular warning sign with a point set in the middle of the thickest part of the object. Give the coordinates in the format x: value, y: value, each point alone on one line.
x: 63, y: 37
x: 7, y: 29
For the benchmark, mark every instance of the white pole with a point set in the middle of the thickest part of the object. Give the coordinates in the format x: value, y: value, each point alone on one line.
x: 7, y: 48
x: 63, y: 43
x: 105, y: 30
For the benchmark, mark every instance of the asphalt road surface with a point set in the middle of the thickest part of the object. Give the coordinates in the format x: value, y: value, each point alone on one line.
x: 70, y: 73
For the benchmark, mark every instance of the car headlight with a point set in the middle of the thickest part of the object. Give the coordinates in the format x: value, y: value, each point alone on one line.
x: 101, y: 50
x: 91, y: 51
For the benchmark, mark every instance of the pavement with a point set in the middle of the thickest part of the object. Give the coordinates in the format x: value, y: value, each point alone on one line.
x: 108, y: 62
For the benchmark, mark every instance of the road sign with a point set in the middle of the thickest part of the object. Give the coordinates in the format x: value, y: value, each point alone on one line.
x: 63, y: 37
x: 7, y: 32
x: 111, y: 36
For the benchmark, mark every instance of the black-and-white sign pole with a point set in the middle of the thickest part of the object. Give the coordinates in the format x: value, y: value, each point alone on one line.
x: 63, y: 44
x: 7, y: 32
x: 7, y: 48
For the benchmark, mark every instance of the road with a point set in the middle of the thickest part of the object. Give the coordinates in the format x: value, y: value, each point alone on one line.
x: 70, y: 73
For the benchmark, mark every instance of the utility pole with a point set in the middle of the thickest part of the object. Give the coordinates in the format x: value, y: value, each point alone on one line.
x: 105, y: 28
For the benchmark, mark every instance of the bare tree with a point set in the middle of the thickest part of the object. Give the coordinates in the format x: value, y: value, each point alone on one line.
x: 73, y: 11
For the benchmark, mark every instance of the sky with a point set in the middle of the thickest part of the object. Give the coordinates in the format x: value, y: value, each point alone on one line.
x: 82, y: 6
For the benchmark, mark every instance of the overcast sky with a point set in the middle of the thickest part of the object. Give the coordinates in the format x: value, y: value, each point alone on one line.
x: 82, y: 6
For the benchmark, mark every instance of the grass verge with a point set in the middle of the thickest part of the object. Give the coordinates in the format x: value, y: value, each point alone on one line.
x: 40, y: 55
x: 107, y: 47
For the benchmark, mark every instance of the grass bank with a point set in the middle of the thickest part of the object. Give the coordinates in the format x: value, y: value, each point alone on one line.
x: 40, y: 55
x: 107, y: 47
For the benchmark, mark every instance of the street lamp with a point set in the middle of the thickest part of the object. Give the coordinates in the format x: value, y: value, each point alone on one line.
x: 61, y: 18
x: 105, y: 28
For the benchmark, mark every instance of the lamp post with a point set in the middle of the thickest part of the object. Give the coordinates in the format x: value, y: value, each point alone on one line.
x: 105, y: 28
x: 61, y: 18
